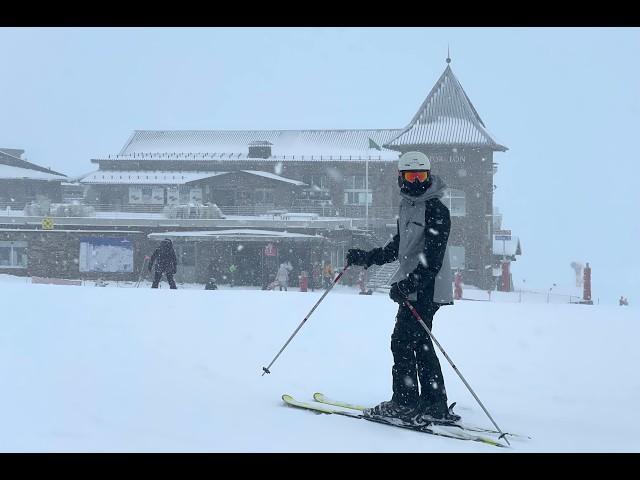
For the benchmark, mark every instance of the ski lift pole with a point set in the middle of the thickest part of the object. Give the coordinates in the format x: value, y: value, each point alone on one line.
x: 424, y: 325
x: 335, y: 281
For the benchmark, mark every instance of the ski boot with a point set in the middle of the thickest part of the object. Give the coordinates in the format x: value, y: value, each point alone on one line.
x: 388, y: 410
x: 433, y: 415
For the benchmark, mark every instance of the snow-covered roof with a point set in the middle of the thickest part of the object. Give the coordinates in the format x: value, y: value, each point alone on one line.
x: 446, y: 117
x: 234, y: 144
x: 146, y: 177
x: 235, y: 235
x: 13, y: 158
x: 8, y: 172
x: 509, y: 248
x: 273, y: 176
x: 58, y: 230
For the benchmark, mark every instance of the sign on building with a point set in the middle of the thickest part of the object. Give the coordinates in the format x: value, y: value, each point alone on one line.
x: 504, y: 235
x: 195, y: 195
x: 173, y: 196
x: 106, y: 254
x: 47, y: 223
x: 146, y: 195
x: 135, y: 195
x: 157, y: 195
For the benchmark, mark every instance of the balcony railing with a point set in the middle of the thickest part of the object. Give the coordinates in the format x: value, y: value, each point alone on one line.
x: 346, y: 211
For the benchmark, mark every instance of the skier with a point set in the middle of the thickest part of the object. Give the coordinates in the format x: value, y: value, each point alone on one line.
x: 282, y: 277
x: 165, y: 260
x: 424, y: 279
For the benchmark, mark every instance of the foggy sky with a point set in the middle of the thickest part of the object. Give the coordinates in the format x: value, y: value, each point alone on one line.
x: 566, y: 102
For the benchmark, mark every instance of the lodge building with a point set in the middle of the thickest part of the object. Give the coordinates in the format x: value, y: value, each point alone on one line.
x: 320, y: 188
x: 343, y: 173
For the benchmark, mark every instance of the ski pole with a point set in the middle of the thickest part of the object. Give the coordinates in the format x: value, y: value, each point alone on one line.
x: 144, y: 264
x: 424, y: 325
x: 335, y: 281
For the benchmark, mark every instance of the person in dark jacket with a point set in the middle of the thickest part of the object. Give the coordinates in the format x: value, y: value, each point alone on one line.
x: 166, y: 262
x: 424, y: 279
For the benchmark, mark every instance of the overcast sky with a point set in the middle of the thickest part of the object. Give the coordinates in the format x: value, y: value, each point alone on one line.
x: 566, y: 101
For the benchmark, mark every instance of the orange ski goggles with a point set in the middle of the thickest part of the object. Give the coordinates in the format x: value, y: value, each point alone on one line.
x: 412, y: 176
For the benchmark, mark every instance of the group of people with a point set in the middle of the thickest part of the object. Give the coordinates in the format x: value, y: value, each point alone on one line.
x: 624, y: 301
x: 422, y: 282
x: 163, y: 261
x: 321, y: 276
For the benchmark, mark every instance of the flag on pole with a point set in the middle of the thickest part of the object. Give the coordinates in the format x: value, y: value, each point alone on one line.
x: 373, y: 144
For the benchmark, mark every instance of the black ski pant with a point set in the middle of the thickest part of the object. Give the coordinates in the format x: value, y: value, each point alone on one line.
x: 415, y: 360
x: 158, y: 277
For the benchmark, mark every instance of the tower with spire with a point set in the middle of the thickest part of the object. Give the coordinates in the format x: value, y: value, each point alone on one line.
x: 449, y: 130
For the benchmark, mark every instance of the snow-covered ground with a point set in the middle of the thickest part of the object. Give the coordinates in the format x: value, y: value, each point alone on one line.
x: 89, y: 369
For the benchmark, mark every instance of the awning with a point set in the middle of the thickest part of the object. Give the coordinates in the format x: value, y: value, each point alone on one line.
x: 236, y: 235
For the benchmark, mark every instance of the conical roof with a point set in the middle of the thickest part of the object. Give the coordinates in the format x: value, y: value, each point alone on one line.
x: 446, y: 117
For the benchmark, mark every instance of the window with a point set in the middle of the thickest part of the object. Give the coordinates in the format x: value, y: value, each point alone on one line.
x: 354, y: 191
x: 455, y: 201
x: 456, y: 257
x: 352, y: 182
x: 317, y: 182
x: 13, y: 254
x: 186, y: 255
x: 263, y: 196
x: 357, y: 198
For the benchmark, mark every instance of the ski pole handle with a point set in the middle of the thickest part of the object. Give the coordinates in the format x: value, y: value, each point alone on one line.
x: 335, y: 281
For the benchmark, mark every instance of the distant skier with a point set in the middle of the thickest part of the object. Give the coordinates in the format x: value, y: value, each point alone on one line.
x: 282, y: 277
x: 166, y: 262
x: 424, y: 279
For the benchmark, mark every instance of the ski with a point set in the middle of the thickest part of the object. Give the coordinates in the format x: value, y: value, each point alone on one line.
x: 321, y: 398
x: 438, y: 430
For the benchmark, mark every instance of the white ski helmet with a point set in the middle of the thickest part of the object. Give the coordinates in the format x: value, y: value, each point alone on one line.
x: 413, y: 161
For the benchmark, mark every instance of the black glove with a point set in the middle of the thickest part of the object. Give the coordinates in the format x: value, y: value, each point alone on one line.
x: 355, y: 256
x: 402, y: 289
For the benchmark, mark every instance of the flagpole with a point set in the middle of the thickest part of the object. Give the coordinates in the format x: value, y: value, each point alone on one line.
x: 372, y: 144
x: 366, y: 195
